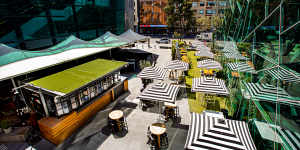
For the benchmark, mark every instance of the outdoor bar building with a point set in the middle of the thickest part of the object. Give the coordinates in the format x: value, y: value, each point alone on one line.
x: 69, y: 98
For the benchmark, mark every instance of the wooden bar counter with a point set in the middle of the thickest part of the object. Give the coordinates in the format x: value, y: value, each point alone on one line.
x: 57, y: 130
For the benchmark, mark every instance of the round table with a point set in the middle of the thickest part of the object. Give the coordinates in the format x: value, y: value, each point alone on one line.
x: 158, y: 129
x: 116, y: 114
x: 170, y: 105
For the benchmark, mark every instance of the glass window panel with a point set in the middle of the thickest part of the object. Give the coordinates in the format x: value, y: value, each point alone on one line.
x: 194, y: 4
x: 267, y: 38
x: 74, y: 102
x: 290, y: 48
x: 201, y: 3
x: 222, y: 3
x: 211, y: 3
x: 201, y: 11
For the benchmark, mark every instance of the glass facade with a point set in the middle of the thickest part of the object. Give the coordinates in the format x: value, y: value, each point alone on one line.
x: 42, y: 23
x: 267, y: 32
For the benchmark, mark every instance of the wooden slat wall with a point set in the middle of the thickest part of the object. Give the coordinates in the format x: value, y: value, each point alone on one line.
x: 57, y: 130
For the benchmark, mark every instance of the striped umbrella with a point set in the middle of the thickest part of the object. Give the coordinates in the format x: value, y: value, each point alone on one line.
x: 177, y: 65
x: 291, y: 138
x: 202, y: 48
x: 209, y: 85
x: 162, y: 92
x: 204, y: 54
x: 241, y: 67
x: 152, y: 72
x: 283, y: 74
x: 268, y: 92
x: 212, y: 133
x: 278, y: 134
x: 233, y: 55
x: 209, y: 64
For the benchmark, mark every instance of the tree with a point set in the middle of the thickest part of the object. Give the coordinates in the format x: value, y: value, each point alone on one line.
x: 206, y: 23
x: 180, y: 16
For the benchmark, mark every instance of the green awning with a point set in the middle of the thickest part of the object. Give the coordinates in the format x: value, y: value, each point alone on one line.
x: 71, y: 79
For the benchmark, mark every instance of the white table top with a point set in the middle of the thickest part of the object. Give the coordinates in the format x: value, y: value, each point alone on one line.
x: 157, y: 130
x: 116, y: 114
x: 170, y: 104
x: 214, y: 114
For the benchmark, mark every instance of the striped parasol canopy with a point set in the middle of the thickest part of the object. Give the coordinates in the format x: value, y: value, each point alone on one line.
x: 202, y: 48
x: 162, y: 92
x: 177, y: 65
x: 278, y: 134
x: 209, y: 85
x: 241, y: 67
x: 238, y: 56
x: 213, y: 133
x: 284, y: 74
x: 153, y: 72
x: 207, y: 54
x: 268, y: 92
x: 209, y: 64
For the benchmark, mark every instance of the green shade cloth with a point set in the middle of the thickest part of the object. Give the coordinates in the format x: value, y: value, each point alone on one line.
x: 71, y: 79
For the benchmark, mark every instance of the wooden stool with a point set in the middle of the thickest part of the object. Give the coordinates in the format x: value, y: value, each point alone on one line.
x: 117, y: 121
x: 159, y: 130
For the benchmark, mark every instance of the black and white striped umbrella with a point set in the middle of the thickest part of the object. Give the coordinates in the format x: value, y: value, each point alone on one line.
x: 291, y: 138
x: 241, y: 67
x: 204, y: 54
x: 202, y: 48
x: 209, y: 64
x: 283, y: 74
x: 162, y: 92
x: 153, y: 72
x: 212, y: 133
x: 234, y: 55
x: 177, y: 65
x: 268, y: 92
x: 209, y: 85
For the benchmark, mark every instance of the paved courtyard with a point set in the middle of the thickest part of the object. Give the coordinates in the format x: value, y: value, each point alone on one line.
x: 95, y: 136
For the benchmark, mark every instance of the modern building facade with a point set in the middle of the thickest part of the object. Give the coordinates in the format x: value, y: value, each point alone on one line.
x: 209, y: 7
x: 42, y: 23
x: 267, y: 32
x: 152, y: 17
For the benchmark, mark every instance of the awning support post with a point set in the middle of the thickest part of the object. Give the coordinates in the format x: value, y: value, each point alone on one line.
x: 16, y: 89
x: 44, y: 103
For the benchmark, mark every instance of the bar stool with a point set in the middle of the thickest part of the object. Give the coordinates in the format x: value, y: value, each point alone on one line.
x: 117, y: 121
x: 171, y: 111
x: 158, y: 131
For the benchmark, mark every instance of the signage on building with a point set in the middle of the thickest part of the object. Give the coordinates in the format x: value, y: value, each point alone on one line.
x: 147, y: 26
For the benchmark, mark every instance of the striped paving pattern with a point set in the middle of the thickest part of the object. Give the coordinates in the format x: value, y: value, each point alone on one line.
x: 153, y: 72
x: 209, y: 85
x: 209, y: 64
x: 162, y: 92
x: 177, y: 65
x: 211, y: 133
x: 241, y: 67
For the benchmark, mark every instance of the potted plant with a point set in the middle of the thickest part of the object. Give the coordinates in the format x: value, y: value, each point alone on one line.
x: 5, y: 126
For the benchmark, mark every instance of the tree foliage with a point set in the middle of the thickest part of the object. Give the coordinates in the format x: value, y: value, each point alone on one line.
x: 180, y: 16
x: 206, y: 23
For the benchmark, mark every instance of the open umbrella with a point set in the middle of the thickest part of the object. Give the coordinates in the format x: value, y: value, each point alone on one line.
x: 152, y: 72
x: 213, y: 133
